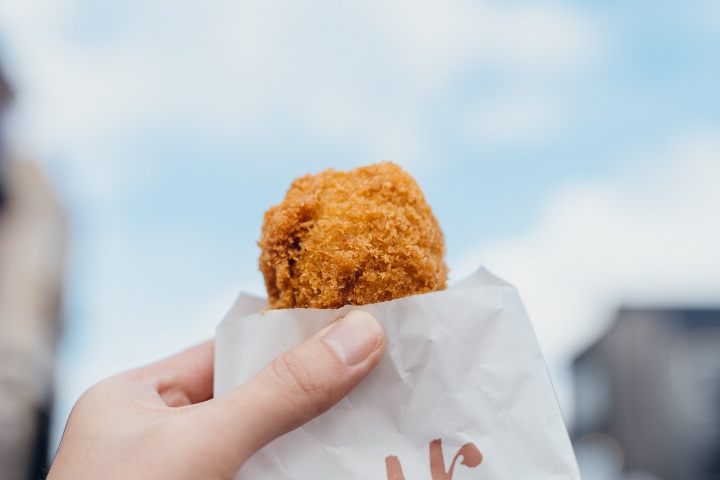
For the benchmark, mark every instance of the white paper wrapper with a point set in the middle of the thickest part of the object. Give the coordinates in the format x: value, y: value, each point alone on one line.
x: 462, y: 366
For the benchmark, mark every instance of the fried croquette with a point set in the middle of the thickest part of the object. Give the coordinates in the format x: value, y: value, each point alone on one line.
x: 357, y: 237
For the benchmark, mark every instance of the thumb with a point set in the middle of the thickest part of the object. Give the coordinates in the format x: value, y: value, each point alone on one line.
x: 298, y: 385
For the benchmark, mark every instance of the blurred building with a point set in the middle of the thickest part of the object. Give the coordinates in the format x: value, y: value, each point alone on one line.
x: 648, y: 396
x: 5, y: 98
x: 32, y: 244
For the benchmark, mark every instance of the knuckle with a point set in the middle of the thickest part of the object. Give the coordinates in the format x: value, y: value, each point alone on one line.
x: 299, y: 377
x: 92, y: 400
x: 93, y: 394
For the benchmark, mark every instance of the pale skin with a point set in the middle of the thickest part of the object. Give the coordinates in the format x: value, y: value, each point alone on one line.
x: 160, y: 421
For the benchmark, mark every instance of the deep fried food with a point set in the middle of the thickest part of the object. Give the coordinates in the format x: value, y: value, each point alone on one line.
x: 357, y: 237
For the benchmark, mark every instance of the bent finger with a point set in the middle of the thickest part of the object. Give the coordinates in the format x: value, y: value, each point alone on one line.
x: 185, y: 378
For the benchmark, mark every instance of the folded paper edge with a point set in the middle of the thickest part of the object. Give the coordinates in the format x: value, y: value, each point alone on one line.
x: 247, y: 304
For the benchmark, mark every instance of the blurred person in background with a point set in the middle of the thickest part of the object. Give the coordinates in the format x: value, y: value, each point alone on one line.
x: 32, y: 237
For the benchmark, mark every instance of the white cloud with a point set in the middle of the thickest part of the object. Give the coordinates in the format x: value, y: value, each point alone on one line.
x: 354, y: 73
x: 436, y: 38
x: 705, y: 15
x: 516, y: 117
x: 648, y: 236
x: 541, y: 36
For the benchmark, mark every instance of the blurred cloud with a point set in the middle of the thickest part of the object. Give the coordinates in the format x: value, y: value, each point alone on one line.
x: 98, y: 75
x: 517, y: 117
x: 435, y: 38
x: 706, y: 14
x: 647, y: 235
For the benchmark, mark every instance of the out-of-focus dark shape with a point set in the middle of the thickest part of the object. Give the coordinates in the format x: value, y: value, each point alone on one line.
x: 652, y: 384
x: 6, y: 96
x: 5, y: 91
x: 32, y: 245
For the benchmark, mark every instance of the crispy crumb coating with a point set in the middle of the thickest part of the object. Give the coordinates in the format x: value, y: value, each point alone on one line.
x: 357, y: 237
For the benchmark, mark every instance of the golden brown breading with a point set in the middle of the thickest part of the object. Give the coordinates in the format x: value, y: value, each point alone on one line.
x: 357, y: 237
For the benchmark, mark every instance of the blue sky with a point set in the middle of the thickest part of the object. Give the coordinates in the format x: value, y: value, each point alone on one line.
x: 572, y: 147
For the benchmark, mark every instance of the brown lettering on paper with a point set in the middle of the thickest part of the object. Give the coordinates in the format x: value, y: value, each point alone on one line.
x: 394, y: 469
x: 471, y: 457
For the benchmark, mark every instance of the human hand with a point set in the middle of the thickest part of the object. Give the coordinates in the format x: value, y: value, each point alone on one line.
x: 160, y: 421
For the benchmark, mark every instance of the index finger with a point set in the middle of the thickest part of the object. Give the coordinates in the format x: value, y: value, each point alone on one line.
x: 185, y: 378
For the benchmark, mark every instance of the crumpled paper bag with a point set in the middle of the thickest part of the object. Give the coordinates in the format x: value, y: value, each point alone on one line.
x: 461, y: 393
